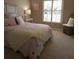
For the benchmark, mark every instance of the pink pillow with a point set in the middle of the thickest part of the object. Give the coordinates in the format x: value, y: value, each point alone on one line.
x: 9, y: 21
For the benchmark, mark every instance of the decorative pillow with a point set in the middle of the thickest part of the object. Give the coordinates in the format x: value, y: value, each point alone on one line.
x: 16, y: 21
x: 19, y: 19
x: 9, y: 21
x: 71, y: 21
x: 6, y: 16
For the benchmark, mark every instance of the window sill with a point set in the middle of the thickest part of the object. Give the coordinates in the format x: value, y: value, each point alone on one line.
x: 52, y: 22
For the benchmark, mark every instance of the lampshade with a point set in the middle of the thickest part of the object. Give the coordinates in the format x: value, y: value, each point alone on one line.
x: 25, y: 8
x: 28, y: 12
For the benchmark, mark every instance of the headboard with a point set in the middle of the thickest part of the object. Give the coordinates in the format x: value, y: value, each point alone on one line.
x: 10, y: 9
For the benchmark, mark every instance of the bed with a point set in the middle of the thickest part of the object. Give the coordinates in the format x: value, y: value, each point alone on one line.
x: 27, y: 38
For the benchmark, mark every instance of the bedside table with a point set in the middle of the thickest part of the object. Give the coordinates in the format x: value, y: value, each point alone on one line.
x: 29, y: 20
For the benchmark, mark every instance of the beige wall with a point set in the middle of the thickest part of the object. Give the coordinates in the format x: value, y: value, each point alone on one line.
x: 68, y: 9
x: 36, y: 10
x: 20, y: 3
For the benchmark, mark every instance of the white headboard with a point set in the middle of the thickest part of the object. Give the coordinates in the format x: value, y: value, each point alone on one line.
x: 10, y: 9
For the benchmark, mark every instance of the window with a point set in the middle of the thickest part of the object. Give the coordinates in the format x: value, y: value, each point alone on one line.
x: 52, y: 10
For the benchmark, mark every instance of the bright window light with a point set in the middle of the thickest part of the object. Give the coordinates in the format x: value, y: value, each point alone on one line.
x: 52, y: 10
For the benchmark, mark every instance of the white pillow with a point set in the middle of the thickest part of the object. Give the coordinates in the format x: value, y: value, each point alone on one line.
x: 19, y: 19
x: 71, y: 21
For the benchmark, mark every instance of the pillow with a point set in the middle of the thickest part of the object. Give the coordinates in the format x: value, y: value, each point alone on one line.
x: 19, y: 19
x: 9, y: 21
x: 71, y: 21
x: 16, y: 21
x: 6, y: 16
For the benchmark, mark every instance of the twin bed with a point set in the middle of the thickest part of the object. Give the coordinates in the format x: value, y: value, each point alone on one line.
x: 27, y: 38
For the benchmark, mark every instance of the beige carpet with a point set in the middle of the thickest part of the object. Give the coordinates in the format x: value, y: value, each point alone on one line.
x: 60, y: 47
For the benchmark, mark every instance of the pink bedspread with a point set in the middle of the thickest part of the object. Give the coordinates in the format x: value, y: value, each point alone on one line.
x: 34, y: 45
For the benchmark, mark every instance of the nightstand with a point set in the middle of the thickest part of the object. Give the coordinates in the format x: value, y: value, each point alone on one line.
x: 29, y: 20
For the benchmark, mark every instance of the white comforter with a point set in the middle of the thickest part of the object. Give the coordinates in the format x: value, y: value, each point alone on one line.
x: 18, y: 35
